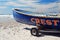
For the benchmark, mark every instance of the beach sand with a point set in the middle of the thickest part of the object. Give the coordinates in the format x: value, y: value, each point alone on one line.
x: 12, y: 30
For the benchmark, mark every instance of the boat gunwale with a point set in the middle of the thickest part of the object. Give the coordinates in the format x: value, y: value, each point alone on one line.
x: 36, y: 16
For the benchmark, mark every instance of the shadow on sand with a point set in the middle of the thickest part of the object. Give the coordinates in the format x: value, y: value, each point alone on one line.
x: 45, y: 33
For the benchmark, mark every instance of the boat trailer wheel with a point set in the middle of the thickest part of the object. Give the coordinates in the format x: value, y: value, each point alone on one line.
x: 35, y: 32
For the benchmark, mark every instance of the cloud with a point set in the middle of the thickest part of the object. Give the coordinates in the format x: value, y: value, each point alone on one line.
x: 14, y: 4
x: 44, y: 8
x: 52, y: 6
x: 40, y: 7
x: 26, y: 1
x: 5, y: 0
x: 3, y: 7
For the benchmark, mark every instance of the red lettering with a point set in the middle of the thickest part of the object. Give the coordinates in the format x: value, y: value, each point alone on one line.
x: 43, y: 22
x: 55, y: 22
x: 48, y: 22
x: 37, y: 21
x: 32, y: 19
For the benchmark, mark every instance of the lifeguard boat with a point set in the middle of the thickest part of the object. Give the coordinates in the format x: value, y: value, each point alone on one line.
x: 44, y: 23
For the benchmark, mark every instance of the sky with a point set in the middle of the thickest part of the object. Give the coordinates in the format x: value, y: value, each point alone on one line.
x: 40, y: 6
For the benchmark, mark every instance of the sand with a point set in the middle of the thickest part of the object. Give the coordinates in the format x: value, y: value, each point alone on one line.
x: 12, y: 30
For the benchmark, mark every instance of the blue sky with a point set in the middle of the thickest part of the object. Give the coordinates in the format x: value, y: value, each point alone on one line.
x: 41, y: 6
x: 46, y: 1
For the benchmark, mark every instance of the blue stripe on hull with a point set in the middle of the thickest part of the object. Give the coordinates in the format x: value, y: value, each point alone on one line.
x: 27, y: 20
